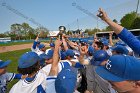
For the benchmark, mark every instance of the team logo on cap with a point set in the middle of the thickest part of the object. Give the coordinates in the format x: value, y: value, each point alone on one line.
x: 108, y: 65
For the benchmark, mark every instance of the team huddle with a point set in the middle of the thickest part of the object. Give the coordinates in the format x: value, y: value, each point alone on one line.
x: 83, y: 66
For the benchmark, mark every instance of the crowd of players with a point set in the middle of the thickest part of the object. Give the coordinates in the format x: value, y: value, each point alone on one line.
x: 83, y: 66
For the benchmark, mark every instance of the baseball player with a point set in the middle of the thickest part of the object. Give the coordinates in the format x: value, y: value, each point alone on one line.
x: 37, y: 47
x: 5, y: 76
x: 121, y: 32
x: 36, y: 80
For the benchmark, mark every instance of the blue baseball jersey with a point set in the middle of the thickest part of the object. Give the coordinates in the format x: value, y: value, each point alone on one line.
x: 4, y: 79
x: 50, y: 88
x: 61, y: 64
x: 36, y: 85
x: 130, y: 40
x: 35, y: 49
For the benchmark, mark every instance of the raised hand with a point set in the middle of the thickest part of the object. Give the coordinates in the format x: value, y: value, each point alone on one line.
x: 83, y: 50
x: 102, y: 14
x: 58, y: 42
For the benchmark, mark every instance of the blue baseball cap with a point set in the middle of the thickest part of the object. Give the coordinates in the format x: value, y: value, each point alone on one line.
x: 4, y: 63
x: 42, y: 60
x: 90, y: 50
x: 52, y: 44
x: 73, y: 40
x: 38, y: 42
x: 28, y: 59
x: 105, y: 43
x: 48, y: 55
x: 63, y: 55
x: 85, y: 41
x: 66, y: 81
x: 120, y: 68
x: 90, y: 43
x: 70, y: 53
x: 80, y: 40
x: 41, y: 46
x: 121, y: 49
x: 120, y: 43
x: 99, y: 57
x: 103, y: 39
x: 138, y: 37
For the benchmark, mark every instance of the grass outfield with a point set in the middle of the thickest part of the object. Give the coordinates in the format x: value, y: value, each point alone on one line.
x: 14, y: 56
x: 19, y: 43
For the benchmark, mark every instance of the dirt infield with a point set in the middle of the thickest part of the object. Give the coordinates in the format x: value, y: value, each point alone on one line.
x: 17, y: 47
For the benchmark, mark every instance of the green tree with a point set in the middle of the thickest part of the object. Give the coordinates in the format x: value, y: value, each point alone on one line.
x: 13, y: 36
x: 136, y: 23
x: 92, y: 31
x: 21, y: 31
x: 25, y: 29
x: 43, y: 32
x: 108, y: 28
x: 2, y: 35
x: 128, y: 19
x: 31, y: 34
x: 16, y: 31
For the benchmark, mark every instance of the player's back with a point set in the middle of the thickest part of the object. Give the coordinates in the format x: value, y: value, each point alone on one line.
x: 37, y: 85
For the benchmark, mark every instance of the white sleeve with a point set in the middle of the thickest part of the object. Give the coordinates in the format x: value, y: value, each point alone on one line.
x: 50, y: 87
x: 62, y: 65
x: 47, y: 51
x: 10, y: 76
x: 109, y: 52
x: 46, y: 69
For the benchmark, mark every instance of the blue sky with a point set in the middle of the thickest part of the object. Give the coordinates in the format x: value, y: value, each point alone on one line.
x: 53, y: 13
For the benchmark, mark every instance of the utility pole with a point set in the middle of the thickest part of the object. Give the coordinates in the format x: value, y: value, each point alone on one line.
x: 137, y: 7
x: 78, y: 24
x: 97, y: 24
x: 68, y: 27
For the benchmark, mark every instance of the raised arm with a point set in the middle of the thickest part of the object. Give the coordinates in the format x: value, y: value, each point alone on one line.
x: 54, y: 68
x: 83, y: 52
x: 110, y: 39
x: 64, y: 43
x: 35, y: 42
x: 72, y: 44
x: 115, y: 27
x: 122, y: 33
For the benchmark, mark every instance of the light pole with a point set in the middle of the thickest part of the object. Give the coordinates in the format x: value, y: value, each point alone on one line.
x: 78, y: 24
x: 137, y: 7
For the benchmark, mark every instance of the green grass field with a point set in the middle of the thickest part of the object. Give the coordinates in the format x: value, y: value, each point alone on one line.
x: 19, y: 43
x: 14, y: 56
